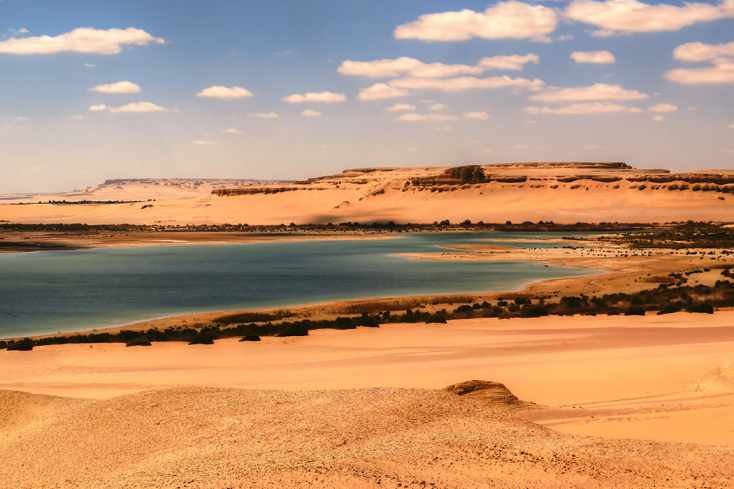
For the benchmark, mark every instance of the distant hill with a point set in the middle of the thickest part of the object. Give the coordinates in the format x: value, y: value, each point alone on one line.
x: 563, y: 192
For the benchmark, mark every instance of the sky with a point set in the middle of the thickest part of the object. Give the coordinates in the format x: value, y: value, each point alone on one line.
x: 277, y: 89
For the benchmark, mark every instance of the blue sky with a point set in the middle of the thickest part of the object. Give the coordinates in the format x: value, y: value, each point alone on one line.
x: 662, y: 97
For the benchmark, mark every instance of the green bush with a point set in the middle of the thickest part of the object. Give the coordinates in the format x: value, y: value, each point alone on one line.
x: 436, y: 319
x: 533, y: 311
x: 203, y: 337
x: 24, y: 345
x: 3, y: 345
x: 138, y: 342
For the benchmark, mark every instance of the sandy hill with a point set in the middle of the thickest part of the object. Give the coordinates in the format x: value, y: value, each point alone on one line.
x: 562, y: 192
x: 128, y: 189
x: 206, y: 437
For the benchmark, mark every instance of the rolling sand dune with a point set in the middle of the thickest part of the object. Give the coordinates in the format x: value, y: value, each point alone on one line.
x: 559, y: 192
x: 197, y: 437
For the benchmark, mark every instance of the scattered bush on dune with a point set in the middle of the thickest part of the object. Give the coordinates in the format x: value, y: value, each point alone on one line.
x: 3, y: 345
x: 250, y: 337
x: 669, y: 309
x: 23, y: 345
x: 138, y: 342
x: 295, y: 329
x: 634, y: 311
x: 700, y: 308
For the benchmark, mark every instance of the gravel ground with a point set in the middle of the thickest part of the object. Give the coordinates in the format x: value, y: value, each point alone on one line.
x: 205, y: 437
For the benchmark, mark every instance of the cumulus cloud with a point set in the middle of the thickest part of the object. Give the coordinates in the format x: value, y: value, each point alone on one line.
x: 392, y: 68
x: 587, y: 108
x: 89, y: 65
x: 658, y: 118
x: 325, y: 97
x: 600, y: 57
x: 698, y: 51
x: 476, y: 115
x: 466, y: 83
x: 398, y: 107
x: 504, y: 20
x: 81, y: 40
x: 218, y: 91
x: 381, y: 90
x: 627, y: 16
x: 438, y: 107
x: 311, y: 113
x: 599, y: 91
x: 721, y: 69
x: 264, y: 115
x: 663, y: 108
x: 134, y: 107
x: 119, y: 87
x: 232, y: 130
x: 427, y: 118
x: 203, y: 142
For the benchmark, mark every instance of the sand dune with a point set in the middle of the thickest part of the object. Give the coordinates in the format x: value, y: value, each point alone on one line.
x: 196, y: 437
x: 559, y: 192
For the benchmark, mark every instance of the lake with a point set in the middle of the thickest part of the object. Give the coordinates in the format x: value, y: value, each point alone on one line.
x: 51, y: 291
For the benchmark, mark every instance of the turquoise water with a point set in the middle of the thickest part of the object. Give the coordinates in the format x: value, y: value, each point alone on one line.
x: 52, y: 291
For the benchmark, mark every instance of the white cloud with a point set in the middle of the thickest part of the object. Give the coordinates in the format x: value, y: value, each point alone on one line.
x: 311, y: 113
x: 18, y: 32
x: 444, y: 128
x: 626, y: 16
x: 81, y: 40
x: 579, y: 109
x: 599, y: 91
x: 20, y: 118
x: 476, y: 115
x: 119, y: 87
x: 504, y: 20
x: 203, y: 142
x: 397, y: 107
x: 426, y: 101
x: 232, y: 130
x: 97, y: 108
x: 411, y: 67
x: 466, y: 83
x: 138, y: 107
x: 264, y: 115
x: 218, y: 91
x: 89, y: 65
x: 438, y: 107
x: 325, y: 97
x: 721, y: 69
x: 427, y: 118
x: 698, y: 51
x: 600, y: 57
x: 564, y: 37
x: 663, y: 108
x: 381, y: 90
x: 658, y: 118
x: 77, y: 117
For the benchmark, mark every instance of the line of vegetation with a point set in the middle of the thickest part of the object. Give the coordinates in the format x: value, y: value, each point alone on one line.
x: 665, y: 299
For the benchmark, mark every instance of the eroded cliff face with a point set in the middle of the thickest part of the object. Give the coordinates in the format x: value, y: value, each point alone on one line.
x: 564, y: 192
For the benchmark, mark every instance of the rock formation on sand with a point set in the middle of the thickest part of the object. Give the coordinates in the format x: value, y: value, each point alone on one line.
x: 207, y: 437
x: 490, y: 393
x: 718, y: 380
x: 558, y: 192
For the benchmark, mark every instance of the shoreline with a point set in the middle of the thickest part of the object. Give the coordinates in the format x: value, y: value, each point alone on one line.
x: 621, y: 273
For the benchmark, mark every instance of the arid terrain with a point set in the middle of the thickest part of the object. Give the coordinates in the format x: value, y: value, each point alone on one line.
x: 559, y: 192
x: 364, y: 408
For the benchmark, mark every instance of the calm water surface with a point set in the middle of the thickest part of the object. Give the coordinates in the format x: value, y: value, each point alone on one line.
x: 53, y: 291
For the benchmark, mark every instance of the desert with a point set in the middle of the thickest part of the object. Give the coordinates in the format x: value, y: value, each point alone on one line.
x: 367, y: 244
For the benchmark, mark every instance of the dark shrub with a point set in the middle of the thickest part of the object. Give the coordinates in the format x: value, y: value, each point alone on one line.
x: 367, y: 321
x: 669, y: 309
x: 345, y: 323
x: 138, y: 342
x: 3, y: 345
x: 522, y: 301
x: 247, y: 317
x: 436, y: 319
x: 203, y: 337
x: 294, y: 329
x: 634, y: 311
x: 23, y: 345
x: 156, y: 335
x: 251, y: 337
x: 533, y: 311
x: 463, y: 309
x: 502, y: 303
x: 700, y: 308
